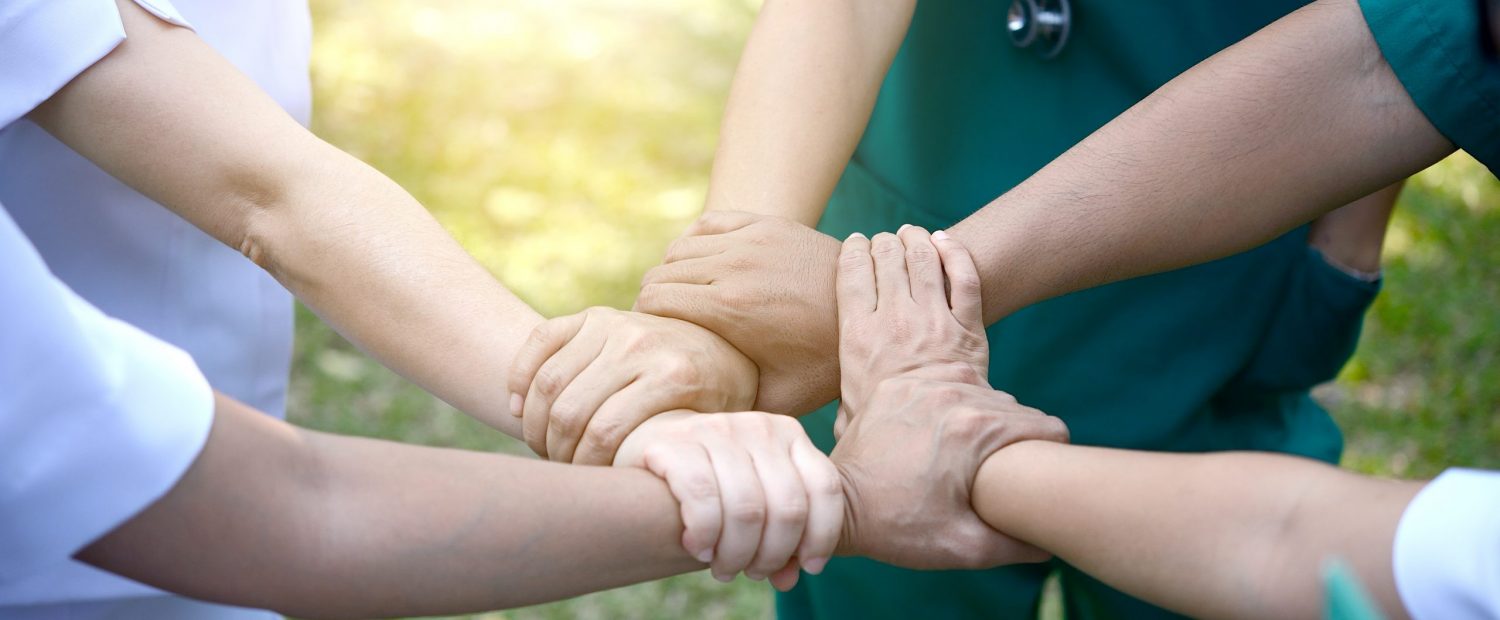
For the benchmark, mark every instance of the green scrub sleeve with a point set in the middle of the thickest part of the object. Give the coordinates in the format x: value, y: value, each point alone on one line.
x: 1437, y: 49
x: 1313, y: 331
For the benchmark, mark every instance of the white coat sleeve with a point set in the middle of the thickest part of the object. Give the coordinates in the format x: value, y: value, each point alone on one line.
x: 1447, y: 552
x: 44, y: 44
x: 97, y: 418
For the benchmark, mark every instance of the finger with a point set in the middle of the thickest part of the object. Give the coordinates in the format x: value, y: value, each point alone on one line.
x: 690, y: 477
x: 786, y: 509
x: 685, y: 248
x: 689, y: 271
x: 744, y: 507
x: 923, y: 267
x: 616, y: 419
x: 786, y: 578
x: 573, y: 412
x: 543, y: 342
x: 825, y: 506
x: 963, y: 280
x: 694, y: 303
x: 551, y: 380
x: 720, y: 222
x: 891, y: 283
x: 856, y: 278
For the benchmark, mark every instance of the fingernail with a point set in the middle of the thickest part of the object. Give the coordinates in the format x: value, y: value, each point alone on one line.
x: 705, y: 556
x: 941, y: 235
x: 903, y: 228
x: 857, y: 236
x: 755, y: 576
x: 515, y: 404
x: 724, y: 578
x: 815, y: 565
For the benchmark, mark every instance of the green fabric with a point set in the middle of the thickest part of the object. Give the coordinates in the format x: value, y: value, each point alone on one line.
x: 1436, y: 49
x: 1345, y: 598
x: 1214, y: 357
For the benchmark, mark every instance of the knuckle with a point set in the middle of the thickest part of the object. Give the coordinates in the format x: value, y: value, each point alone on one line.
x: 946, y: 396
x: 658, y: 454
x: 827, y: 483
x: 637, y: 341
x: 649, y: 298
x: 700, y: 486
x: 681, y: 372
x: 564, y: 421
x: 549, y: 384
x: 737, y: 297
x: 920, y: 253
x: 968, y: 422
x: 965, y: 283
x: 675, y: 251
x: 790, y: 511
x: 747, y: 513
x: 1057, y: 430
x: 853, y: 260
x: 605, y: 433
x: 741, y: 262
x: 719, y: 424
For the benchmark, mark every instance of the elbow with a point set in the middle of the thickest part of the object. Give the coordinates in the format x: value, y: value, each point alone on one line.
x: 258, y: 203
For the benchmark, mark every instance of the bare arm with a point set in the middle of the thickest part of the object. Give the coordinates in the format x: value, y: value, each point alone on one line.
x: 1289, y: 124
x: 1232, y: 535
x: 171, y: 118
x: 801, y: 97
x: 319, y: 525
x: 1298, y: 119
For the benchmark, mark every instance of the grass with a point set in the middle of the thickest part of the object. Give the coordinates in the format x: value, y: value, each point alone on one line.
x: 565, y: 142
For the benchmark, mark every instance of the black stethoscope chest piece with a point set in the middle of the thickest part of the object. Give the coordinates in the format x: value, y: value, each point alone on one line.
x: 1040, y: 25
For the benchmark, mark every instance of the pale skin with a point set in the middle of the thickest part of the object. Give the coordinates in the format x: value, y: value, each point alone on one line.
x: 366, y: 257
x: 1146, y: 193
x: 319, y: 525
x: 1228, y: 535
x: 316, y: 525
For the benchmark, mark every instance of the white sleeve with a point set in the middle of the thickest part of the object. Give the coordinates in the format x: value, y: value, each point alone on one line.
x: 97, y: 418
x: 1447, y: 550
x: 44, y: 44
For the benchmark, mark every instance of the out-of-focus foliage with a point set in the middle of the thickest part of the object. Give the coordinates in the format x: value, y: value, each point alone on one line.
x: 565, y: 142
x: 1423, y: 391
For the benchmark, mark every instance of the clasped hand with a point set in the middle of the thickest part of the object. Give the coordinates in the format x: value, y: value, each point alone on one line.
x: 918, y: 418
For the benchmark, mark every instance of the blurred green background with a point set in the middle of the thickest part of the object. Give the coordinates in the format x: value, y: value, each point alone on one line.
x: 566, y: 142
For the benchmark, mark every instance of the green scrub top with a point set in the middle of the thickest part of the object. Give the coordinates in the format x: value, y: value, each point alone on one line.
x: 1215, y: 357
x: 1437, y: 49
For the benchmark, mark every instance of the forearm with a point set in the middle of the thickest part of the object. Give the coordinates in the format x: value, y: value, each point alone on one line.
x: 322, y: 525
x: 1225, y: 535
x: 367, y: 258
x: 1295, y: 121
x: 801, y: 97
x: 169, y: 117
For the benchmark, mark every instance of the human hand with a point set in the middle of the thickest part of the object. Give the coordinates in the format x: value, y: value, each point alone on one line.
x: 756, y: 495
x: 918, y: 322
x: 909, y: 452
x: 582, y: 383
x: 766, y: 285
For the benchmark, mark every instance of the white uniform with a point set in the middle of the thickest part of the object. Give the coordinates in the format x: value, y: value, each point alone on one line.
x: 1447, y: 551
x: 135, y: 261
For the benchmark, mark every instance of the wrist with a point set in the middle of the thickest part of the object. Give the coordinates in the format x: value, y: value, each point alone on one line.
x: 998, y: 494
x: 949, y: 372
